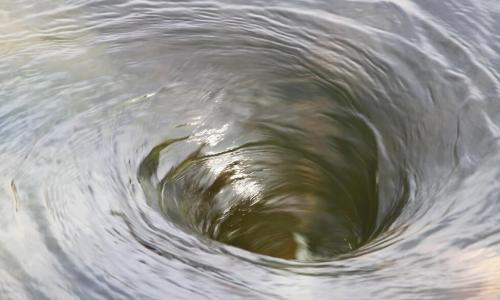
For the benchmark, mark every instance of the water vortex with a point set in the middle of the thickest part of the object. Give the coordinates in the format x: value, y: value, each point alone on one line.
x: 299, y: 183
x: 304, y: 149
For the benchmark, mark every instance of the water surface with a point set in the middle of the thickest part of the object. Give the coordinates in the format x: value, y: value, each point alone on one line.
x: 250, y: 149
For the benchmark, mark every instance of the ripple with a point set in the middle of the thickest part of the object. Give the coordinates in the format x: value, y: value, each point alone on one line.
x: 255, y: 149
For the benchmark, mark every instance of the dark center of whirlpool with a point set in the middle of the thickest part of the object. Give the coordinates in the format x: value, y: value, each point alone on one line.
x: 293, y: 177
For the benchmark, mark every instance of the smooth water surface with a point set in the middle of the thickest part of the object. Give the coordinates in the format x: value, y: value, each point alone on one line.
x: 250, y: 149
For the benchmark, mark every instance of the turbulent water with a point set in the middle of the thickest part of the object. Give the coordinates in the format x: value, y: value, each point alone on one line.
x: 250, y: 149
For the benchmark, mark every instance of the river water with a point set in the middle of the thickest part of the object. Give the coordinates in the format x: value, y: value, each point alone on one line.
x: 299, y: 149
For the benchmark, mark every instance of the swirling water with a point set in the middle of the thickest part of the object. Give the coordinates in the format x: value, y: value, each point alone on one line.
x: 298, y: 149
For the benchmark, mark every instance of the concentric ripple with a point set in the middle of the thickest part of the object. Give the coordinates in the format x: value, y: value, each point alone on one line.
x: 249, y: 149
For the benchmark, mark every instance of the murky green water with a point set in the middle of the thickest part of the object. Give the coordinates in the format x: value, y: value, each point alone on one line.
x: 250, y: 149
